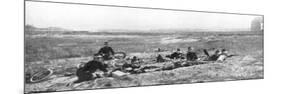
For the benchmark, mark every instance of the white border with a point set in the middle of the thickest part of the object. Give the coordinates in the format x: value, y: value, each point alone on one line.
x: 12, y: 47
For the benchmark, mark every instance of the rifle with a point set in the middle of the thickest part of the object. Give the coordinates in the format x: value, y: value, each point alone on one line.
x: 206, y: 52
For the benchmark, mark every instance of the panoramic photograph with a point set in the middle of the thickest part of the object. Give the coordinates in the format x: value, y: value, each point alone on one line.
x: 71, y: 46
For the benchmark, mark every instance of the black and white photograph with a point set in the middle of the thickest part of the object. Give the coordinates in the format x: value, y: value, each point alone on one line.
x: 76, y: 46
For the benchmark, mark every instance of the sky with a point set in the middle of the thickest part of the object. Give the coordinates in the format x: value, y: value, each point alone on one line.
x: 95, y: 18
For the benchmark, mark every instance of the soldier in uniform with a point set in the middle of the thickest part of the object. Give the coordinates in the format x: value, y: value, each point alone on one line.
x: 106, y: 51
x: 85, y: 71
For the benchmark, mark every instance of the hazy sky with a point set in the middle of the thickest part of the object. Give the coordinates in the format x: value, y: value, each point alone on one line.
x: 92, y: 18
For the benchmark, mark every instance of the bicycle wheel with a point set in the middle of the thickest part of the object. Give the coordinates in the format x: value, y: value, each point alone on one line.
x: 41, y: 75
x: 120, y: 55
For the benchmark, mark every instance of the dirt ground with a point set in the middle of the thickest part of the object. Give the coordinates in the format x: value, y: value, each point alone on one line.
x: 248, y: 64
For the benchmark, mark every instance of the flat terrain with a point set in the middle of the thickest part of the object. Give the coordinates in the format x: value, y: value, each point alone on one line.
x: 62, y: 52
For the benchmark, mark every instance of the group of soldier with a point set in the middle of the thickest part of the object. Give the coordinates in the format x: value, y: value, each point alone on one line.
x: 106, y: 53
x: 191, y: 55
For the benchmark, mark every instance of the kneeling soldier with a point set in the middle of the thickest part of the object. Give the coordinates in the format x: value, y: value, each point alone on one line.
x: 84, y: 73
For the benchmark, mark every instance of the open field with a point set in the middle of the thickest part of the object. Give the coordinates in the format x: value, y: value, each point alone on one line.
x: 62, y: 52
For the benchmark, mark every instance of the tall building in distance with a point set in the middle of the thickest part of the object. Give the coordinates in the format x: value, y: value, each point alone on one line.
x: 257, y: 24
